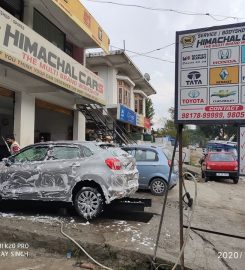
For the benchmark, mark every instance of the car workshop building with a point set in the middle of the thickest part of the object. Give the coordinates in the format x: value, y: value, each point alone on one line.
x: 126, y: 90
x: 42, y: 69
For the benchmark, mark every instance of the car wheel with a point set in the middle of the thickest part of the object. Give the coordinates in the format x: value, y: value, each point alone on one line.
x: 206, y: 178
x: 235, y: 180
x: 158, y: 186
x: 88, y: 202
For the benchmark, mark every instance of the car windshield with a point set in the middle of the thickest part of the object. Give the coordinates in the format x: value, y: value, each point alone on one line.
x: 222, y: 148
x: 221, y: 157
x: 93, y: 147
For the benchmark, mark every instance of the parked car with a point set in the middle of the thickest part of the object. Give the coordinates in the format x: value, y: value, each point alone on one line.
x: 220, y: 165
x: 153, y: 166
x: 77, y: 172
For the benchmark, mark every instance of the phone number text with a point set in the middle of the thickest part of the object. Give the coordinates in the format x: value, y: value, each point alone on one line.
x: 210, y: 115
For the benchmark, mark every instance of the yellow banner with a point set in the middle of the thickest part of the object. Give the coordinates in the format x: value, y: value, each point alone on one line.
x: 27, y: 50
x: 81, y: 16
x: 224, y: 75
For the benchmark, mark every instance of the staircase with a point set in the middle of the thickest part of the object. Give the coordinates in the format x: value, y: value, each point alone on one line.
x: 104, y: 123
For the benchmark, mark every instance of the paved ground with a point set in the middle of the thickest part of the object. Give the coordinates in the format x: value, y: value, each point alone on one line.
x: 118, y: 239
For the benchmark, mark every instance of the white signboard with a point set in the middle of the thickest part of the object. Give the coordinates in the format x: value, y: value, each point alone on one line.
x: 242, y: 151
x: 210, y: 79
x: 24, y: 48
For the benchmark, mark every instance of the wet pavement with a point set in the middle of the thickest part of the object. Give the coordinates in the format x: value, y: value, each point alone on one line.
x: 119, y: 238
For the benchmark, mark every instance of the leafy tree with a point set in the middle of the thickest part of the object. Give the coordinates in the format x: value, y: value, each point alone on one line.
x: 219, y: 131
x: 149, y: 109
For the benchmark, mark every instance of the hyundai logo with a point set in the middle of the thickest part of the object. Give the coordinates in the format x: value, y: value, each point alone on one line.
x: 194, y: 75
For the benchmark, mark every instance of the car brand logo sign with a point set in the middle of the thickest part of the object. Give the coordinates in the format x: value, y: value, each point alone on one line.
x: 224, y: 93
x: 224, y: 54
x: 194, y: 94
x: 188, y: 41
x: 194, y: 78
x: 224, y: 74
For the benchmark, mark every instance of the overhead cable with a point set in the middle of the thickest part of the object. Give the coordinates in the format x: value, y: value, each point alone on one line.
x: 182, y: 12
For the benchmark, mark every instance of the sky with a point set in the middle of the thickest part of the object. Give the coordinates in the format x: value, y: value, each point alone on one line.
x: 145, y: 30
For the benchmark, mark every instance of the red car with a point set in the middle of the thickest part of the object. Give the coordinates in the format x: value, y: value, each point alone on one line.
x: 220, y: 165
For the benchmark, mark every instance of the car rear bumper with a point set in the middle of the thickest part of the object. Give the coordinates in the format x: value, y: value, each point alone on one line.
x: 123, y: 185
x: 221, y: 174
x: 174, y: 180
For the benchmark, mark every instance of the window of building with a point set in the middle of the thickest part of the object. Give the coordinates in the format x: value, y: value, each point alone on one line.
x: 124, y: 95
x: 69, y: 48
x: 138, y: 103
x: 14, y: 7
x: 48, y: 30
x: 120, y: 91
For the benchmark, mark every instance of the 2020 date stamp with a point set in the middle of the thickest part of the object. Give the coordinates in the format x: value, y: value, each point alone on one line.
x: 231, y: 255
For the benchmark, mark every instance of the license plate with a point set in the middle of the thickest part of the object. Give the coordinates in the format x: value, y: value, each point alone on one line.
x: 132, y: 183
x: 222, y: 174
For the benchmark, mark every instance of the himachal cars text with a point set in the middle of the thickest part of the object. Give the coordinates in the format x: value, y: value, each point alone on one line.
x: 77, y: 172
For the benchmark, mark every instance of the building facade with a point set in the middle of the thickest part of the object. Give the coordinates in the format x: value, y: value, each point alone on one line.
x: 126, y: 90
x: 42, y: 69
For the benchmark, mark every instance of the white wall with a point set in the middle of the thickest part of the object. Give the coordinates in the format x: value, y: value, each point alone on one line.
x: 79, y: 126
x: 24, y: 118
x: 59, y: 125
x: 109, y: 76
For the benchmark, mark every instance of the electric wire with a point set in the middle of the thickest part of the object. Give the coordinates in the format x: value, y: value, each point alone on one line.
x: 182, y: 12
x: 83, y: 250
x: 142, y: 54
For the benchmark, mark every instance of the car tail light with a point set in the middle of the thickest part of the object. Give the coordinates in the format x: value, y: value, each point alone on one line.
x: 208, y: 167
x: 236, y: 167
x: 169, y: 162
x: 113, y: 164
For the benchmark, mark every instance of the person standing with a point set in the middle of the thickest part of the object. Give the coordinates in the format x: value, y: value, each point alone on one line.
x: 14, y: 146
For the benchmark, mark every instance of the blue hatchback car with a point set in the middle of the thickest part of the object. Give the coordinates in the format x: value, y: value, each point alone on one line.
x: 153, y: 164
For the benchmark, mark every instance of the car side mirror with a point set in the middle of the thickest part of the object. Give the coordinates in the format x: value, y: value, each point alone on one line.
x: 6, y: 162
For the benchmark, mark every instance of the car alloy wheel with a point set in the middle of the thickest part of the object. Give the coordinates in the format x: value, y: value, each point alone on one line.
x: 158, y: 187
x: 88, y: 202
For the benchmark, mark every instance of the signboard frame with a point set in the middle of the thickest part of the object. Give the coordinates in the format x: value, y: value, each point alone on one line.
x: 241, y: 148
x: 178, y: 68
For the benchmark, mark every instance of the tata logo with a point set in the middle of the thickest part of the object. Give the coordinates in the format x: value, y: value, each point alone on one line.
x: 224, y: 54
x: 194, y: 78
x: 194, y: 94
x: 188, y: 41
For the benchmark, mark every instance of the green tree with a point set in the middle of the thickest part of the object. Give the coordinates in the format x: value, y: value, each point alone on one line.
x: 149, y: 109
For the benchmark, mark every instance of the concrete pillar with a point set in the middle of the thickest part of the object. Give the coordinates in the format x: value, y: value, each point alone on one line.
x: 79, y: 126
x: 24, y: 118
x: 144, y: 106
x: 28, y: 13
x: 132, y: 105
